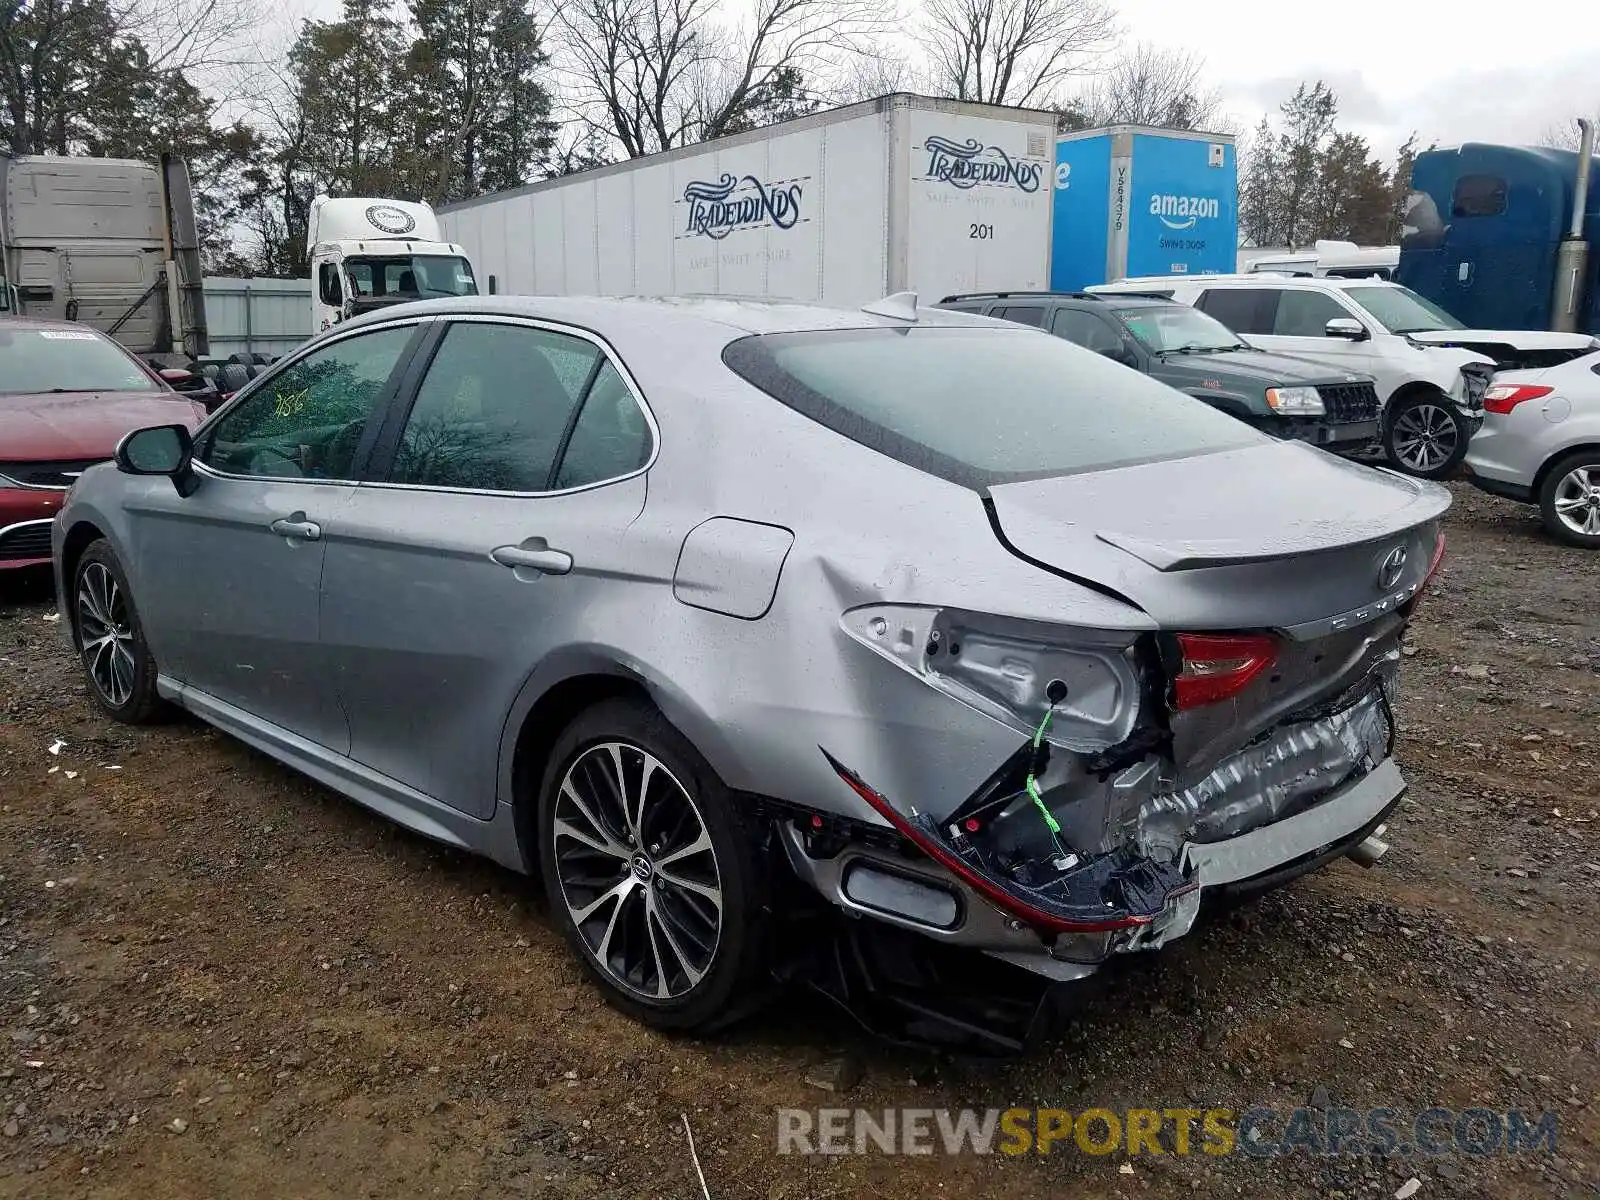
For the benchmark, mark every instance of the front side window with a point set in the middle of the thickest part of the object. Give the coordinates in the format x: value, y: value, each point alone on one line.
x: 1085, y: 329
x: 306, y: 421
x: 1400, y: 310
x: 328, y: 284
x: 37, y: 359
x: 982, y: 406
x: 1478, y: 196
x: 494, y: 408
x: 1306, y: 314
x: 1243, y: 310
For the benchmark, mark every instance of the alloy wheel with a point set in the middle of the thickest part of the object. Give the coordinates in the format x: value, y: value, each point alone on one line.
x: 637, y: 871
x: 1577, y: 501
x: 106, y: 632
x: 1424, y: 437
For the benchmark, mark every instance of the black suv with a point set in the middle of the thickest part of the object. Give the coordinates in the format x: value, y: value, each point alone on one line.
x: 1198, y: 355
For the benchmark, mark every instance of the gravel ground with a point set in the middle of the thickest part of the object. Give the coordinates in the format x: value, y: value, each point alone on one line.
x: 218, y: 979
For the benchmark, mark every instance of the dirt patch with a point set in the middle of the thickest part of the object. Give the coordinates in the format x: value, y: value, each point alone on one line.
x: 218, y: 979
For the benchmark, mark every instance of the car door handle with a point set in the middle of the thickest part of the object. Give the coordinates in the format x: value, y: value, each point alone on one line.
x: 534, y: 554
x: 297, y: 527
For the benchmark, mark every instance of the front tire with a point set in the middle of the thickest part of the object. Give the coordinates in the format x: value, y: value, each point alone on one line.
x: 116, y: 659
x: 1425, y: 436
x: 1569, y: 500
x: 651, y: 873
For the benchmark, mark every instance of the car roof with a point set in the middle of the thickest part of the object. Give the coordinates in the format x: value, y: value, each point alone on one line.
x: 731, y: 313
x: 1256, y: 279
x: 11, y: 319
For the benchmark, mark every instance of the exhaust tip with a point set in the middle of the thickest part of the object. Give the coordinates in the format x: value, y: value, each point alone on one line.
x: 1368, y: 852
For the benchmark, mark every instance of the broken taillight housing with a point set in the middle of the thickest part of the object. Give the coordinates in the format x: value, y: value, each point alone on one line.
x: 991, y: 889
x: 1217, y: 666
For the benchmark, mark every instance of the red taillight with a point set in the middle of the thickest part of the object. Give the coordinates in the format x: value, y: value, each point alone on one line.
x: 1503, y: 397
x: 993, y: 892
x: 1216, y: 666
x: 1433, y: 569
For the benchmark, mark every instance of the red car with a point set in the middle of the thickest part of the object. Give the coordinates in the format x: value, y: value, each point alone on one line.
x: 67, y: 395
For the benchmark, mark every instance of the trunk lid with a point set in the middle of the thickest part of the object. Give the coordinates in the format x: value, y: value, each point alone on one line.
x: 1276, y: 535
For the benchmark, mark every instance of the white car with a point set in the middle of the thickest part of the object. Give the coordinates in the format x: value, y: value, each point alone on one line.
x: 1540, y: 444
x: 1431, y: 372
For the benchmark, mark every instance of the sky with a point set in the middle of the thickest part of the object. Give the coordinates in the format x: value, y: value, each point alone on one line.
x: 1508, y: 75
x: 1435, y: 68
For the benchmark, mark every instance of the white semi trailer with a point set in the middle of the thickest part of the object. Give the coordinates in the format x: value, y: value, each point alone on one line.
x: 895, y: 194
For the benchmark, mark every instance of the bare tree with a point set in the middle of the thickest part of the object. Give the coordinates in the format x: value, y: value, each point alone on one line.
x: 1563, y: 135
x: 662, y: 73
x: 869, y: 76
x: 1149, y: 85
x: 1012, y: 51
x: 191, y: 35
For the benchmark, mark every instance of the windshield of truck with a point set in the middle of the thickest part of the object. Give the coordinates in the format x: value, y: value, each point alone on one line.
x: 1177, y: 328
x: 982, y: 406
x: 1400, y: 310
x: 409, y: 277
x: 40, y: 359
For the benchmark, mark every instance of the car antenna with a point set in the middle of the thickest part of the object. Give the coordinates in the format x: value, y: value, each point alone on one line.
x: 902, y: 306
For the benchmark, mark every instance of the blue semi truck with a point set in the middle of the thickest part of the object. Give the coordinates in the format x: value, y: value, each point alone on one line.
x: 1133, y: 200
x: 1502, y: 237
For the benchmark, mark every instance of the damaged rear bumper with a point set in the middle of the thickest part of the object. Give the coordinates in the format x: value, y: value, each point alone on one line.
x: 873, y: 883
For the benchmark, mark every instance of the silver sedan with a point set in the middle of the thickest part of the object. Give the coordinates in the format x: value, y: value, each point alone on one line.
x: 1540, y: 444
x: 708, y: 613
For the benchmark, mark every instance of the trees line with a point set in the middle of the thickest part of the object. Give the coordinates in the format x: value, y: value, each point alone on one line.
x: 447, y: 99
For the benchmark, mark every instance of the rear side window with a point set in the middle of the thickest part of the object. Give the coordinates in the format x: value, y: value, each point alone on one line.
x: 1022, y: 314
x: 611, y: 438
x: 981, y: 406
x: 493, y: 409
x: 1243, y: 310
x: 1478, y: 196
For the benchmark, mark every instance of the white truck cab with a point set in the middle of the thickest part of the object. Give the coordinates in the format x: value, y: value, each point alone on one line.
x: 369, y: 253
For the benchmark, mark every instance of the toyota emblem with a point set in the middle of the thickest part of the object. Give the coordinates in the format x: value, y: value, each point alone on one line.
x: 1391, y: 568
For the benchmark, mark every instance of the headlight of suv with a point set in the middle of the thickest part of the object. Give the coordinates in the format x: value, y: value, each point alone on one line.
x: 1003, y: 667
x: 1295, y: 402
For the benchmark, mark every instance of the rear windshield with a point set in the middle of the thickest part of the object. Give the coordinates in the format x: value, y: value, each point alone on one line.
x: 982, y: 406
x: 65, y: 360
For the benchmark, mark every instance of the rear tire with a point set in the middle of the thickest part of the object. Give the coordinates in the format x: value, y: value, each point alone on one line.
x: 1569, y: 500
x: 1423, y: 435
x: 652, y: 873
x: 117, y: 663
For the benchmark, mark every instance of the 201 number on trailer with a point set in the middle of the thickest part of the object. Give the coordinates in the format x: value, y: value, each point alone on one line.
x: 981, y: 232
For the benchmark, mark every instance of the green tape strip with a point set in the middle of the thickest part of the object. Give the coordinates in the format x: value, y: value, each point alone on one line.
x: 1032, y: 784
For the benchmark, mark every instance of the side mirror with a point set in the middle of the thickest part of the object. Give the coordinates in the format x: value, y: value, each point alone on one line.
x: 1119, y: 354
x: 349, y: 309
x: 1348, y: 328
x: 159, y: 450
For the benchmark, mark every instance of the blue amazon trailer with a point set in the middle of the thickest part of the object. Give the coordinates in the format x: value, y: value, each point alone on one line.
x: 1136, y: 200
